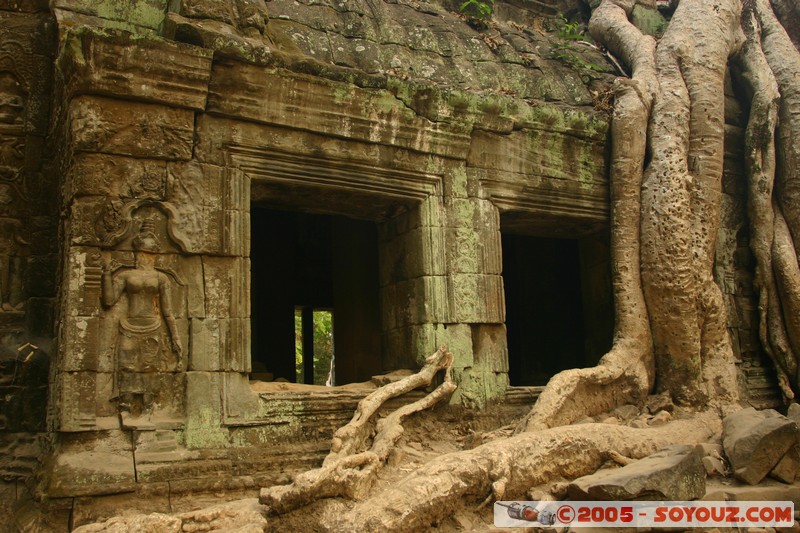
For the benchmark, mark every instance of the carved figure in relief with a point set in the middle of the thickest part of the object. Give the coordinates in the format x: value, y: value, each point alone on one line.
x: 12, y: 117
x: 148, y: 340
x: 12, y: 99
x: 13, y: 250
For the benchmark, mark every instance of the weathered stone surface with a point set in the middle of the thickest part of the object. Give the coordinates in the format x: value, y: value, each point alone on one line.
x: 145, y: 13
x: 755, y: 441
x: 92, y: 464
x: 149, y: 70
x: 370, y: 115
x: 220, y: 344
x: 206, y: 214
x: 226, y: 288
x: 675, y: 473
x: 539, y: 171
x: 204, y: 413
x: 767, y: 490
x: 246, y: 45
x: 788, y: 467
x: 26, y: 49
x: 476, y: 298
x: 439, y: 49
x: 490, y: 346
x: 116, y: 176
x: 151, y: 523
x: 418, y: 252
x: 135, y: 129
x: 78, y: 401
x: 714, y: 466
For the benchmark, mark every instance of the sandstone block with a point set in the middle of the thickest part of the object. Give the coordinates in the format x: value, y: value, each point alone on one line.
x: 219, y: 344
x: 674, y: 473
x: 141, y: 130
x: 788, y: 467
x: 78, y: 401
x: 226, y: 291
x: 714, y: 466
x: 490, y: 346
x: 476, y: 298
x: 755, y: 441
x: 123, y: 177
x: 153, y: 70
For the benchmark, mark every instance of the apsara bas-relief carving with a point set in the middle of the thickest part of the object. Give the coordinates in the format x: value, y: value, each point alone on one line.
x: 13, y: 251
x: 148, y: 353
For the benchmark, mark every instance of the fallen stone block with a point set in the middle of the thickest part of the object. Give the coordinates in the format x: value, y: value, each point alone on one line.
x: 756, y: 441
x: 787, y: 468
x: 714, y: 466
x: 674, y: 473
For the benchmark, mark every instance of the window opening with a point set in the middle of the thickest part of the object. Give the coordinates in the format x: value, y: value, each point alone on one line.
x: 559, y: 312
x: 306, y: 269
x: 314, y: 355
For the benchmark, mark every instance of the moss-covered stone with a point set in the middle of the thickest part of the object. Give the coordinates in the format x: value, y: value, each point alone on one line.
x: 132, y: 15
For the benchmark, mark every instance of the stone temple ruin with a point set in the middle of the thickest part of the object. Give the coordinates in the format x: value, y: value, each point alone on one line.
x: 179, y: 177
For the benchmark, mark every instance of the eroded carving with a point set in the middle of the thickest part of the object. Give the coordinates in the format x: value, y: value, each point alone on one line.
x: 116, y: 224
x: 13, y: 252
x: 12, y: 99
x: 148, y: 344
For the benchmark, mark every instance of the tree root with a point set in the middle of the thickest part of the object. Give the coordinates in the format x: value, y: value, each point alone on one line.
x: 508, y: 468
x: 348, y: 470
x: 769, y: 68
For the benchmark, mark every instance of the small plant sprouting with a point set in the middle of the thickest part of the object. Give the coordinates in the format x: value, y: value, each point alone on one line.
x: 570, y: 31
x: 477, y: 9
x: 563, y: 51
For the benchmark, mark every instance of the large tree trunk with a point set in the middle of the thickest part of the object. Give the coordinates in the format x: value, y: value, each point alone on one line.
x: 677, y: 86
x: 665, y: 217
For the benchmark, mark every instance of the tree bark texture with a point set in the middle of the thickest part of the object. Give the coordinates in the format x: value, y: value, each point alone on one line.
x: 352, y: 465
x: 666, y: 204
x: 509, y: 468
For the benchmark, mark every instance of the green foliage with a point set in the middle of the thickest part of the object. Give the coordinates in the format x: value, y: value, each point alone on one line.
x: 323, y: 345
x: 570, y: 31
x: 477, y: 8
x: 563, y: 50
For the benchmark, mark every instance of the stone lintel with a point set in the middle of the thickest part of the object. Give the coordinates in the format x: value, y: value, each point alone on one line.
x: 146, y: 69
x: 338, y: 109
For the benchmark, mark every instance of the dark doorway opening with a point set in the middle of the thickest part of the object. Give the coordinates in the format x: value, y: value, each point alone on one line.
x: 559, y: 312
x: 311, y: 262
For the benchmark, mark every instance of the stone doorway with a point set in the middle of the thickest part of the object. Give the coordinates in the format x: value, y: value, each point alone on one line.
x: 307, y: 261
x: 559, y: 309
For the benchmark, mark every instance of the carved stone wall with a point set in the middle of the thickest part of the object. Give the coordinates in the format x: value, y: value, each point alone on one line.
x: 165, y: 146
x: 28, y: 242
